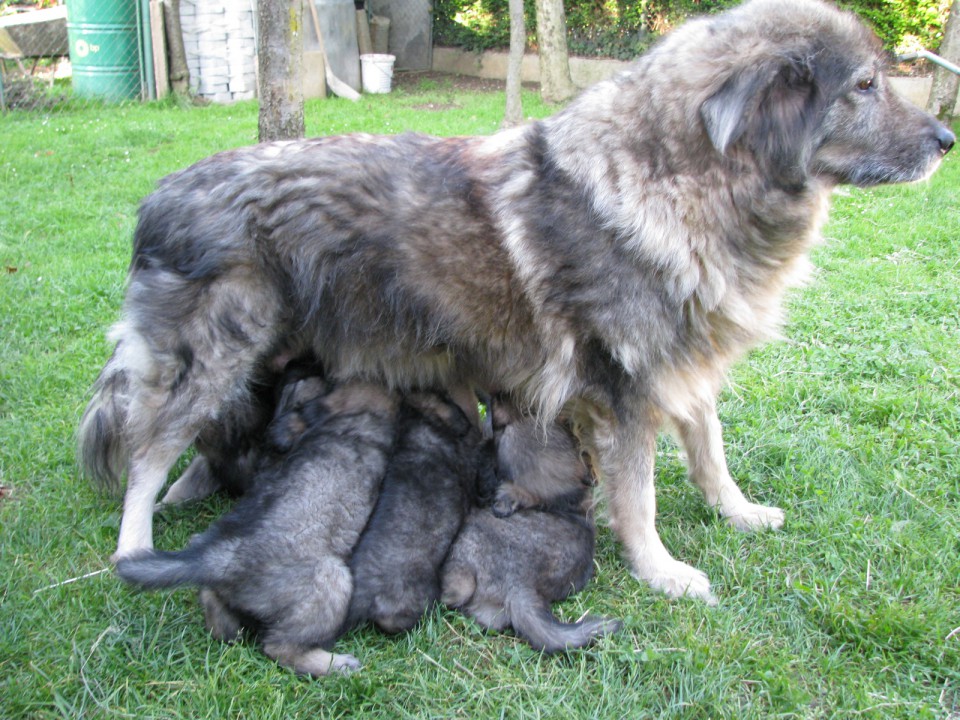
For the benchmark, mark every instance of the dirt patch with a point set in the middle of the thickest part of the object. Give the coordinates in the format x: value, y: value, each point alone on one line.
x: 437, y: 107
x: 423, y: 82
x: 414, y: 81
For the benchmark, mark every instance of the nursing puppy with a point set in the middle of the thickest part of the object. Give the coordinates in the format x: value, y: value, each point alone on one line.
x: 429, y: 485
x: 508, y: 564
x: 534, y: 465
x: 278, y: 560
x: 614, y: 259
x: 278, y: 412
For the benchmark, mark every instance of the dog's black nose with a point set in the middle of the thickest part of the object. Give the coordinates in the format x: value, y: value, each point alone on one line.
x: 945, y: 138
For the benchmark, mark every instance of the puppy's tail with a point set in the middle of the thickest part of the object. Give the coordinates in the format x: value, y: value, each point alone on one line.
x: 157, y: 569
x: 532, y: 620
x: 102, y: 448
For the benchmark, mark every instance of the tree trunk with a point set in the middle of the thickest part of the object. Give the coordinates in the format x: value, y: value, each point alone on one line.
x: 280, y: 76
x: 943, y: 92
x: 518, y: 43
x: 555, y: 82
x: 176, y: 55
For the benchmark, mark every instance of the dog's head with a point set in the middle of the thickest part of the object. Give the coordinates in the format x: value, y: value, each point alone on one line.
x: 803, y: 90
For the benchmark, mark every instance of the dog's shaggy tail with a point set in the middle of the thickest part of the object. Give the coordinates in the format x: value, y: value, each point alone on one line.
x: 532, y: 620
x: 102, y: 448
x: 158, y: 569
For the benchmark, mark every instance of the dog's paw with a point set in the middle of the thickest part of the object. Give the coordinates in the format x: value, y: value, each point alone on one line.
x: 124, y: 553
x: 317, y: 662
x: 750, y: 517
x: 503, y: 507
x: 676, y: 580
x: 507, y: 501
x: 196, y: 483
x: 344, y: 664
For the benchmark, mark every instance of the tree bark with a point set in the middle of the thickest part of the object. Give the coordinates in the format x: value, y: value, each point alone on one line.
x: 943, y: 92
x: 518, y: 43
x: 555, y: 82
x: 176, y: 54
x: 280, y: 76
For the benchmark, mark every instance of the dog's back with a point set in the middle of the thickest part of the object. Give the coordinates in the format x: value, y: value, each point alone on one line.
x: 422, y: 503
x: 279, y: 558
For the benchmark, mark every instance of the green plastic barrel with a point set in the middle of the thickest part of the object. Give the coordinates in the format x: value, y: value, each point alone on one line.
x: 104, y: 48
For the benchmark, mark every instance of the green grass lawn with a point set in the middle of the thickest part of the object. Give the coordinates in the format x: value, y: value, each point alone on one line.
x: 850, y: 424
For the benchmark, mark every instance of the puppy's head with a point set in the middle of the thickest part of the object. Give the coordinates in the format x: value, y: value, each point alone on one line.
x: 440, y: 410
x: 300, y: 407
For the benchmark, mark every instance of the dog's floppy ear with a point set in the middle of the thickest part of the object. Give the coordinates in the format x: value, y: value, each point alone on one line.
x: 725, y: 112
x: 773, y: 108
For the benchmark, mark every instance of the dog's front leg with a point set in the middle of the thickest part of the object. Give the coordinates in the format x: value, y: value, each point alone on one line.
x: 702, y: 439
x: 626, y: 451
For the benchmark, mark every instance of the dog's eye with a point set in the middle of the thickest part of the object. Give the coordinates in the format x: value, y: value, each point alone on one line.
x: 866, y: 85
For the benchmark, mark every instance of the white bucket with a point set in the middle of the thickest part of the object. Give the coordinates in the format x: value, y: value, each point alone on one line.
x: 377, y: 72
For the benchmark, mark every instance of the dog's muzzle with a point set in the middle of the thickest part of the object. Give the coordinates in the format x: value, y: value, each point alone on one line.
x: 945, y: 138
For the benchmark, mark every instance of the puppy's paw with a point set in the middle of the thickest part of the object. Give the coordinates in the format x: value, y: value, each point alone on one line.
x: 749, y: 517
x: 504, y: 506
x: 344, y: 664
x: 508, y: 500
x: 317, y: 662
x: 220, y: 620
x: 676, y: 579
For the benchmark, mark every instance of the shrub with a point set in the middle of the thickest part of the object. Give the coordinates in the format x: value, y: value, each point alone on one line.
x: 621, y: 29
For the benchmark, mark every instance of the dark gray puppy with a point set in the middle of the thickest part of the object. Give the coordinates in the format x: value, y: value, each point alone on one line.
x: 504, y: 571
x: 425, y: 495
x: 270, y: 420
x: 277, y: 562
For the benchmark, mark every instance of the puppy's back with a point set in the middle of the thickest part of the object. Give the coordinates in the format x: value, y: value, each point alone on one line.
x: 303, y: 510
x: 421, y: 506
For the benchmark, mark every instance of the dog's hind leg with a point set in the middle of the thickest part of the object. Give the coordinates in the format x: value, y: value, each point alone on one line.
x: 167, y: 423
x: 313, y: 620
x: 148, y: 473
x: 190, y: 350
x: 702, y: 440
x: 626, y: 459
x: 224, y: 624
x: 196, y: 483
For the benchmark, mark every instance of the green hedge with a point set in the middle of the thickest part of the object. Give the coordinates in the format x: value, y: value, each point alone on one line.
x: 619, y: 29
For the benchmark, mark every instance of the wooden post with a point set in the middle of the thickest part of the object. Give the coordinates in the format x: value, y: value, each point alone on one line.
x: 157, y: 33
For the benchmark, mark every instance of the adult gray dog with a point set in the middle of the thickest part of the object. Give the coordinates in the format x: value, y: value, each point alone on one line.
x: 613, y: 259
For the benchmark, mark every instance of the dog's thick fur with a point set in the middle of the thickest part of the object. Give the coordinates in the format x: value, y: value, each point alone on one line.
x: 428, y: 487
x: 614, y: 258
x: 534, y: 544
x: 278, y: 560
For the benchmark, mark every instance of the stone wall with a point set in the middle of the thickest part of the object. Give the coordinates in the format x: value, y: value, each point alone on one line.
x: 587, y: 71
